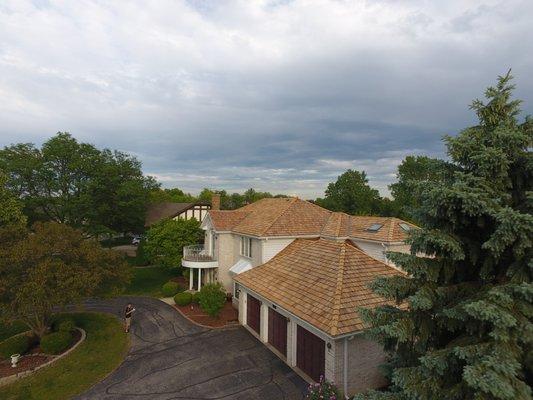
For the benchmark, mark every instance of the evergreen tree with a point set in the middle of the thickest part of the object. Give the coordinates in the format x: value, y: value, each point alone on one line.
x: 462, y: 327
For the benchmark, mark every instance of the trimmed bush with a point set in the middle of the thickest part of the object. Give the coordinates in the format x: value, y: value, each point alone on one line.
x: 14, y: 345
x: 183, y: 298
x: 56, y: 342
x: 65, y: 325
x: 212, y: 298
x: 170, y: 288
x: 196, y: 298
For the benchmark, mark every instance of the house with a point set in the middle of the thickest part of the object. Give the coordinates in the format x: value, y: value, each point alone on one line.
x: 159, y: 211
x: 298, y: 274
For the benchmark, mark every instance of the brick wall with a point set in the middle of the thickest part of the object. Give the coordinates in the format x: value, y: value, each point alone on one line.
x: 364, y: 358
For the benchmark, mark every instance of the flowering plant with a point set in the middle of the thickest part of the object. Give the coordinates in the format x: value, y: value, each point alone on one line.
x: 323, y: 390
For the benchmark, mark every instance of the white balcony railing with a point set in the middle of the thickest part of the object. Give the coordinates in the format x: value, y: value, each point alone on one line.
x: 197, y: 253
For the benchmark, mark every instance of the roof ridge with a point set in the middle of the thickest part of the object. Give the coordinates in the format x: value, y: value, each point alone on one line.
x: 391, y: 228
x: 338, y: 291
x: 291, y: 202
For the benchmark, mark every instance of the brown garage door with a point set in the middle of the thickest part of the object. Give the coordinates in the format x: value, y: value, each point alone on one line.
x: 310, y: 353
x: 253, y: 313
x: 277, y: 331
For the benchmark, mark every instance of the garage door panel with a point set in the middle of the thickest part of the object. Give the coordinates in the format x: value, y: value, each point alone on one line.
x: 310, y: 353
x: 253, y: 313
x: 277, y: 331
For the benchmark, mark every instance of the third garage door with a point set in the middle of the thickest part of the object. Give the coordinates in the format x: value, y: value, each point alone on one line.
x: 277, y: 331
x: 310, y: 353
x: 253, y: 313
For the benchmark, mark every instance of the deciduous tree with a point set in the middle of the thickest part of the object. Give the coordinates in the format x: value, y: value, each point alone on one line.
x: 51, y: 267
x: 351, y: 194
x: 166, y: 239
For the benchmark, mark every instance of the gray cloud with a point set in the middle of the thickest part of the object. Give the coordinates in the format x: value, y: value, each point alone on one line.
x: 278, y: 95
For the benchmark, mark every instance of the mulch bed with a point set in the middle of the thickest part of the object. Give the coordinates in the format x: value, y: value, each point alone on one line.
x: 229, y: 316
x: 33, y: 358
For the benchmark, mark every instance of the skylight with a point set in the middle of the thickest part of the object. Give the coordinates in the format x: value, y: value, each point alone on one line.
x: 374, y: 227
x: 405, y: 227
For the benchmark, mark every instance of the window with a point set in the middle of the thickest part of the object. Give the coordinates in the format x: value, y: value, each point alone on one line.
x: 246, y: 246
x: 374, y: 227
x: 405, y: 227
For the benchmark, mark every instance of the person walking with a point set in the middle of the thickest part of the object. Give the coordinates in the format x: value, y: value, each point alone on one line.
x: 128, y: 312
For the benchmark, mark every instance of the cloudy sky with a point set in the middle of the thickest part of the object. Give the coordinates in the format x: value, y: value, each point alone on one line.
x: 276, y: 95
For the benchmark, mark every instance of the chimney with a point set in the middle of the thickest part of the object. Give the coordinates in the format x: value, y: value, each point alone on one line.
x: 215, y: 202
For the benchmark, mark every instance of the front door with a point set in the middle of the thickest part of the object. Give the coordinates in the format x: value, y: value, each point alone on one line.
x: 310, y: 353
x: 253, y: 313
x: 277, y: 331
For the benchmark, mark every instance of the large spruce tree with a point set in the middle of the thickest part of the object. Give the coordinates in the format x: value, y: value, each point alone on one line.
x: 463, y: 325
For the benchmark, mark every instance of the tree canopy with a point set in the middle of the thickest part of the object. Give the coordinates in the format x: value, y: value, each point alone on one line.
x: 50, y: 267
x: 413, y: 174
x: 165, y: 240
x: 75, y: 183
x: 351, y: 194
x: 10, y: 207
x: 463, y: 325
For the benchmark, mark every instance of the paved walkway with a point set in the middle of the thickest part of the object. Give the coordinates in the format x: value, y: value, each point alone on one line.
x: 171, y: 358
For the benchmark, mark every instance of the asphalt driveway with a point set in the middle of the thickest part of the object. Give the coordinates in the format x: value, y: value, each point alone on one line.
x: 171, y: 358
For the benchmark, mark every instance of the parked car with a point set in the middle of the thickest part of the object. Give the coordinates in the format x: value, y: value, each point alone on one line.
x: 136, y: 240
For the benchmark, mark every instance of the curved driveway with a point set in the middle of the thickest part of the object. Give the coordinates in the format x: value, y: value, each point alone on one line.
x: 171, y: 358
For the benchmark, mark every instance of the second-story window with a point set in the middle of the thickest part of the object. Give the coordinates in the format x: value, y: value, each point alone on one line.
x: 246, y: 246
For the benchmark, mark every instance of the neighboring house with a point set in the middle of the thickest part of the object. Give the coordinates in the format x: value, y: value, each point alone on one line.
x: 298, y: 273
x: 159, y: 211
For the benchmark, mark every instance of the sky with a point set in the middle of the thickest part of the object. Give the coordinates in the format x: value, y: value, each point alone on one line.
x: 281, y: 96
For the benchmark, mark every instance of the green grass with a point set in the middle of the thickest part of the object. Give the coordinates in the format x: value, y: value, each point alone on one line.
x: 12, y: 329
x: 102, y: 351
x: 149, y: 281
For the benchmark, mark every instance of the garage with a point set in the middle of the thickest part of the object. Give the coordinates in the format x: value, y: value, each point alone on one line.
x: 310, y: 353
x: 277, y: 331
x: 253, y: 313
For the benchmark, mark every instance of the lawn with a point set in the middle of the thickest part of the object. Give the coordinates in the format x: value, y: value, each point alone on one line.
x: 148, y: 281
x: 102, y: 351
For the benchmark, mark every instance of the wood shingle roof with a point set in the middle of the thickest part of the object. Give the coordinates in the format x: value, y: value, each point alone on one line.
x: 321, y: 281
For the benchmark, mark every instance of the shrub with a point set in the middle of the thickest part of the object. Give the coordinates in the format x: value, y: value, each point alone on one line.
x: 170, y: 288
x: 322, y: 390
x: 183, y: 298
x: 14, y: 345
x: 56, y: 342
x: 196, y: 298
x: 212, y: 298
x: 63, y: 325
x: 186, y: 273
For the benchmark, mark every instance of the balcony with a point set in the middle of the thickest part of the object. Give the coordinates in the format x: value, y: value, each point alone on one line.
x: 197, y: 256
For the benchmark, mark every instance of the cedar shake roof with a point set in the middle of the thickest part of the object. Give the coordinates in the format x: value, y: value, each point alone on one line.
x: 295, y: 217
x: 338, y: 273
x: 158, y: 211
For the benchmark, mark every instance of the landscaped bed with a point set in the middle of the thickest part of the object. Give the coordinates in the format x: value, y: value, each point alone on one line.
x: 35, y: 357
x: 228, y: 315
x: 100, y: 353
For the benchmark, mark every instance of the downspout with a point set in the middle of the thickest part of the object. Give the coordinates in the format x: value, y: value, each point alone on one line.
x: 345, y: 372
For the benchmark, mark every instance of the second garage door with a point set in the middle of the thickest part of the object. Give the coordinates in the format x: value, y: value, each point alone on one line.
x: 277, y: 331
x: 253, y: 313
x: 310, y: 353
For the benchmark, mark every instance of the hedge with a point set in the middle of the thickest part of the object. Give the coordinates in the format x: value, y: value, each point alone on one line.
x: 14, y: 345
x: 171, y: 288
x: 183, y: 299
x: 56, y: 342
